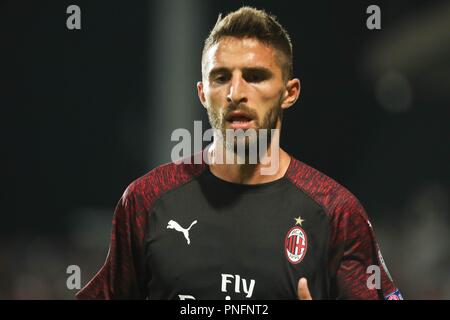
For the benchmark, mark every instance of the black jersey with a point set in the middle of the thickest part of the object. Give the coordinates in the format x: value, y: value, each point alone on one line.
x: 179, y: 232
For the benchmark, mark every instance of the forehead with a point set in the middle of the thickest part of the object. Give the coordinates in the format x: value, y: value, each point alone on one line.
x: 237, y: 53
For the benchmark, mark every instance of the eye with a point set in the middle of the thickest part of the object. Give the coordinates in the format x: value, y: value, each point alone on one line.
x: 255, y: 76
x: 220, y: 79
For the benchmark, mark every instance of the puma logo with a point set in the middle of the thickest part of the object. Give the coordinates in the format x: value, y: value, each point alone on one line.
x: 174, y: 225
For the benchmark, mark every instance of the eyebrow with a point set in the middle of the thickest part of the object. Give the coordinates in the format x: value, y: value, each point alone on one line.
x: 262, y: 70
x: 216, y: 71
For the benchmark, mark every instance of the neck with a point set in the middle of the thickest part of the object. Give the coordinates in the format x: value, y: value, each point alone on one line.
x: 271, y: 166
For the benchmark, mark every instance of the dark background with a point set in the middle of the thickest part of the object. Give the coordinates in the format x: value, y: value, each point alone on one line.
x: 85, y: 112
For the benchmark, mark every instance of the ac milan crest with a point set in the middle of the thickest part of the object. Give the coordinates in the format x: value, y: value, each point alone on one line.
x: 296, y: 244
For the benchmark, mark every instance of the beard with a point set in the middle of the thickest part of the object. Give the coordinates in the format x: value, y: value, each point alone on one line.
x: 217, y: 119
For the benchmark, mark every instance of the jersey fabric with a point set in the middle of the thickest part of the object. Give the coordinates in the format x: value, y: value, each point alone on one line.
x: 180, y: 232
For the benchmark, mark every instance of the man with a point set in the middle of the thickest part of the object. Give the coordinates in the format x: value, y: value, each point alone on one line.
x: 227, y: 230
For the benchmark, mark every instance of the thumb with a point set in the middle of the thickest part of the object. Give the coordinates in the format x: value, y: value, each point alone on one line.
x: 302, y: 290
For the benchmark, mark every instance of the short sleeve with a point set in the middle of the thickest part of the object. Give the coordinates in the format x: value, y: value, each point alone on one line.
x: 123, y: 275
x: 357, y: 268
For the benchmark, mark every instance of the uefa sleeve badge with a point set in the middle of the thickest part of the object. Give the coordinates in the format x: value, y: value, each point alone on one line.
x: 396, y: 295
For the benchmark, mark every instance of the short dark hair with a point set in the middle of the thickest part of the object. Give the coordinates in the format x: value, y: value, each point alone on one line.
x: 248, y: 22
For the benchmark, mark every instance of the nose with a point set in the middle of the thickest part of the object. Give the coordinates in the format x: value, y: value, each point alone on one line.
x: 237, y: 92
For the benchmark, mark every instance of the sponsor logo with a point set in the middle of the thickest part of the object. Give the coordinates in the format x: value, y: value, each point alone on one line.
x: 176, y: 226
x: 231, y: 283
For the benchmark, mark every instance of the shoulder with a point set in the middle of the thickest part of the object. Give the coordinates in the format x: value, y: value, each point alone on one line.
x: 334, y: 198
x: 145, y: 190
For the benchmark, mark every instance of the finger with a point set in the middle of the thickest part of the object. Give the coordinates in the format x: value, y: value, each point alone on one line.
x: 303, y: 291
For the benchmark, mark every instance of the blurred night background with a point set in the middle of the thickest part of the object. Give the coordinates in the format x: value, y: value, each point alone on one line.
x: 85, y: 112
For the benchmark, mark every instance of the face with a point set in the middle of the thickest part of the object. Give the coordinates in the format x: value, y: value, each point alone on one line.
x: 243, y: 85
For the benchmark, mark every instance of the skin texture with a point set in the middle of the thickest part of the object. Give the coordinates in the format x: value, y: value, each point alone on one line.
x: 244, y: 74
x: 302, y: 290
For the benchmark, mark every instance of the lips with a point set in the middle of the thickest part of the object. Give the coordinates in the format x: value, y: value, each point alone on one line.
x: 239, y: 120
x: 238, y: 116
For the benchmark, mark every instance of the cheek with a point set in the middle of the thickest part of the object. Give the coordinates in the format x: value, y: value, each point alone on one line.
x: 267, y: 98
x: 269, y: 91
x: 214, y: 97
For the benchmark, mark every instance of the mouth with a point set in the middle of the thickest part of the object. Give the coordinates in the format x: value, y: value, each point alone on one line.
x: 239, y: 120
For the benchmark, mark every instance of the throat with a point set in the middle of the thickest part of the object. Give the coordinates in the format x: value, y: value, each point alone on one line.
x: 273, y: 169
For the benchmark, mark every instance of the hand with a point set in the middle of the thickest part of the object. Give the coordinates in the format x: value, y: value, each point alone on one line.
x: 302, y: 290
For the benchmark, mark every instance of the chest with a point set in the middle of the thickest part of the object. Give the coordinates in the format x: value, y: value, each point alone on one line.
x: 248, y: 247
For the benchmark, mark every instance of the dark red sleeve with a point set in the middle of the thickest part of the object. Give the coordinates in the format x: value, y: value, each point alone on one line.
x: 353, y: 248
x: 123, y: 276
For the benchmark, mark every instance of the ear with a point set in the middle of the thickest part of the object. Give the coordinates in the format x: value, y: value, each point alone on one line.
x: 201, y: 93
x: 291, y: 93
